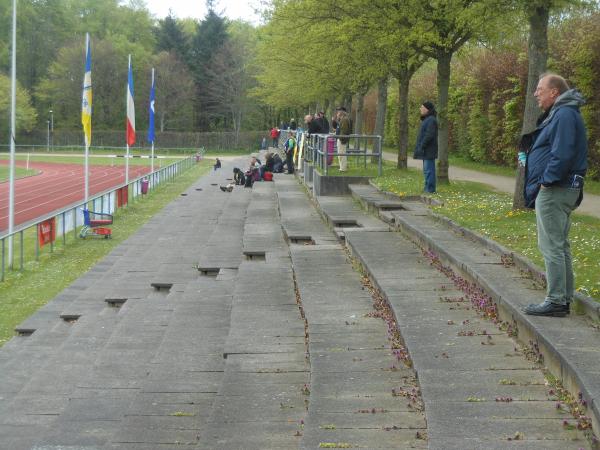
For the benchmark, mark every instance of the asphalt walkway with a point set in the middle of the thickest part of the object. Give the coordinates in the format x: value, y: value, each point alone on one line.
x: 590, y: 204
x: 240, y: 321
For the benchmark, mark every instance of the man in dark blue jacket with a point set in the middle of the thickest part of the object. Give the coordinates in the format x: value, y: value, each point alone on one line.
x: 427, y: 145
x: 556, y: 165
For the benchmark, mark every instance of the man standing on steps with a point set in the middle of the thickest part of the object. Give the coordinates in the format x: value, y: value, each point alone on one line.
x: 427, y: 145
x: 555, y: 167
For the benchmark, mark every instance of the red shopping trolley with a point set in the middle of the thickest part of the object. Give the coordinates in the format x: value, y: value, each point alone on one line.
x: 95, y: 224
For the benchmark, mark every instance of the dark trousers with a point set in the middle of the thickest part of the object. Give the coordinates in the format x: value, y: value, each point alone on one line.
x: 289, y: 161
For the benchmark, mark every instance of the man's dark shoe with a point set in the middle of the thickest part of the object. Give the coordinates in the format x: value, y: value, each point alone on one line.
x: 547, y: 308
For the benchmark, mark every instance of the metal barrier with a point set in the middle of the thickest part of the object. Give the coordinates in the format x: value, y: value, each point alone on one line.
x: 321, y: 147
x: 70, y: 218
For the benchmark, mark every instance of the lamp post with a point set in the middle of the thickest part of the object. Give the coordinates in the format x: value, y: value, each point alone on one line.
x: 48, y: 137
x: 51, y: 134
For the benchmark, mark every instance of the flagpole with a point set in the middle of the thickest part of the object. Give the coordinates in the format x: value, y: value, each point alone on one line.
x: 152, y: 154
x: 87, y: 143
x: 126, y: 137
x: 13, y: 108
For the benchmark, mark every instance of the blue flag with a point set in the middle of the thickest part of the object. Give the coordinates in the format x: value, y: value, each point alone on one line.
x: 151, y: 112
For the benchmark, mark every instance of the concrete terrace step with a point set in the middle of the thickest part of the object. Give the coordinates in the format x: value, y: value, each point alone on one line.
x: 569, y: 346
x: 142, y: 374
x: 352, y: 381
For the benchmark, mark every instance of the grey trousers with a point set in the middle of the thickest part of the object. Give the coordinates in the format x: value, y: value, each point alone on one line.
x: 553, y: 207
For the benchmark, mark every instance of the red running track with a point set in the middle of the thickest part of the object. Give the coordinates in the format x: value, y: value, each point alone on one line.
x: 57, y: 186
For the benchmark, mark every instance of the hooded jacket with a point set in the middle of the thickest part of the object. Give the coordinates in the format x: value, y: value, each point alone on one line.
x: 559, y: 148
x: 427, y: 145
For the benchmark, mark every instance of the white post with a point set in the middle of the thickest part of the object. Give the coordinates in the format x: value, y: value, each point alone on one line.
x: 86, y: 173
x: 52, y: 129
x: 127, y: 165
x: 48, y: 140
x: 152, y: 158
x: 13, y: 109
x: 27, y: 165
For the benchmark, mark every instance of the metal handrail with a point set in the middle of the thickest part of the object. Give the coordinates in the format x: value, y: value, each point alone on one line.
x: 155, y: 178
x: 318, y: 151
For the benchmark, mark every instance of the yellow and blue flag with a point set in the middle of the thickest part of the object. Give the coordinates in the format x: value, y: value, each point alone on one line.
x: 86, y: 101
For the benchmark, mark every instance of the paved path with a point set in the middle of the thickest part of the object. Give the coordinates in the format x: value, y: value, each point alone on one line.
x: 259, y: 333
x: 589, y: 206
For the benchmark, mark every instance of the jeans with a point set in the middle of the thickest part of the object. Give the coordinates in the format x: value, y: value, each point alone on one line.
x: 429, y: 173
x: 553, y: 207
x: 343, y: 160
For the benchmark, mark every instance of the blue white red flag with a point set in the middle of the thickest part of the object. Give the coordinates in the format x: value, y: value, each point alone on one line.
x: 151, y: 112
x: 130, y: 108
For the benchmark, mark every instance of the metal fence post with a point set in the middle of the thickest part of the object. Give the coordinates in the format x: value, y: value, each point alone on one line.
x: 3, y: 257
x: 37, y: 246
x: 22, y: 251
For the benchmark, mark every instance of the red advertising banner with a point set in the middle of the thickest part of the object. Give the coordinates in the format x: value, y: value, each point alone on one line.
x: 47, y: 231
x: 122, y: 196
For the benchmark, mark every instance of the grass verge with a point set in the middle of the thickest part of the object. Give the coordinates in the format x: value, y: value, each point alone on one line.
x: 19, y: 173
x: 490, y: 213
x: 24, y: 292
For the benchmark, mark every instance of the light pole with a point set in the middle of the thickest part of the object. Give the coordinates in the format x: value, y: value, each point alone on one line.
x: 48, y: 140
x: 51, y: 129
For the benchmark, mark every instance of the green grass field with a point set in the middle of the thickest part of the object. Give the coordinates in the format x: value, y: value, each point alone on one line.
x: 19, y: 173
x: 490, y: 213
x: 25, y: 291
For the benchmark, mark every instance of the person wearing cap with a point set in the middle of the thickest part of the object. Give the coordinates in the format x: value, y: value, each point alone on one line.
x: 427, y: 144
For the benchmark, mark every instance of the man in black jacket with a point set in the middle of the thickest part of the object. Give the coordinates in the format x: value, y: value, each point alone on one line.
x: 427, y: 144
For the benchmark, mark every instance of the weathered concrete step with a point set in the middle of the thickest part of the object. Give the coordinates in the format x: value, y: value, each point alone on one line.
x: 452, y: 367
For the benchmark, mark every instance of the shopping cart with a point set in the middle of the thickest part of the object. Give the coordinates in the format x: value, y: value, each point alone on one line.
x: 94, y: 224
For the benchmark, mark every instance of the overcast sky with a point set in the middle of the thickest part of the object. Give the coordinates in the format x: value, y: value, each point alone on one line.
x: 234, y: 9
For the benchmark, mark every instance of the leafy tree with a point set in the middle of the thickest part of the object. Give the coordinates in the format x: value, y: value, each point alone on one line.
x: 61, y: 90
x: 171, y: 37
x: 25, y: 114
x: 211, y: 35
x: 174, y: 83
x: 442, y: 29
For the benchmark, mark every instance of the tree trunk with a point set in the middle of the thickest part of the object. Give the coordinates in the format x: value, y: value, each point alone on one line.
x: 382, y: 87
x: 537, y: 53
x: 360, y: 106
x: 443, y: 84
x: 403, y: 84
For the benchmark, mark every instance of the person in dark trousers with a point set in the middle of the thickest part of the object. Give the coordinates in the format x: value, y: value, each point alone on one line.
x: 217, y: 164
x: 555, y: 169
x: 427, y: 144
x: 238, y: 176
x: 289, y: 146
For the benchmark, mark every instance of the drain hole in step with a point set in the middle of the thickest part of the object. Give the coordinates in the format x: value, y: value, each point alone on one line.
x: 162, y: 286
x: 302, y: 240
x: 70, y: 318
x: 115, y: 302
x: 24, y: 331
x: 345, y: 223
x: 255, y: 256
x: 209, y: 271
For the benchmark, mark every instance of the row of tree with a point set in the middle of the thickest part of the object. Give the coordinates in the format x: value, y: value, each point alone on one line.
x: 203, y: 68
x: 469, y: 54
